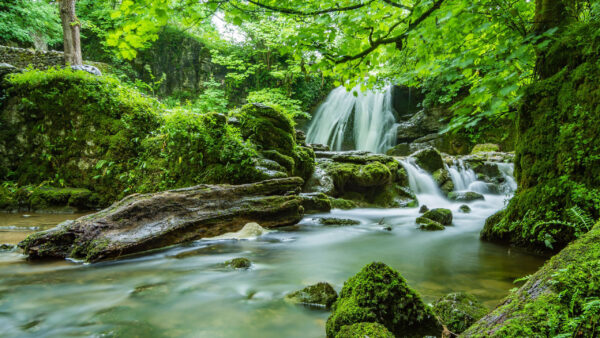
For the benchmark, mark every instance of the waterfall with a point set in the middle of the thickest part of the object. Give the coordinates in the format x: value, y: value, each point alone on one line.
x: 423, y: 185
x: 465, y: 179
x: 355, y: 120
x: 507, y: 171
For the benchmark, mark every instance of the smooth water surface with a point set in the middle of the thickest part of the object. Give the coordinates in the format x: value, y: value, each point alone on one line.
x: 185, y: 290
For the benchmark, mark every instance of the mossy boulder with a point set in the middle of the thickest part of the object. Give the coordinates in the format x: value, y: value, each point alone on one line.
x: 440, y: 215
x: 315, y: 202
x: 459, y: 310
x: 378, y: 294
x: 429, y: 159
x: 239, y: 263
x: 465, y: 209
x: 47, y: 199
x: 429, y: 224
x: 465, y: 196
x: 485, y: 148
x: 274, y: 135
x: 369, y: 180
x: 344, y: 204
x: 363, y: 330
x: 319, y: 295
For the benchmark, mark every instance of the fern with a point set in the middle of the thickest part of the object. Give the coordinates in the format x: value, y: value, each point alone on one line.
x: 578, y: 219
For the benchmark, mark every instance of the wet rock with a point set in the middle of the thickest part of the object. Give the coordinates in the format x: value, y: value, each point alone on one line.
x: 465, y: 196
x: 337, y: 221
x: 7, y: 247
x: 315, y: 202
x: 429, y: 224
x: 319, y: 147
x: 402, y: 149
x: 250, y: 230
x: 320, y: 181
x: 485, y: 148
x: 420, y: 124
x: 360, y: 157
x: 87, y: 68
x: 459, y: 310
x: 423, y: 209
x: 464, y: 209
x: 488, y: 169
x: 143, y: 222
x: 300, y: 136
x: 379, y: 294
x: 362, y: 330
x: 239, y: 263
x: 319, y: 295
x: 440, y: 215
x: 429, y: 159
x: 442, y: 178
x: 344, y: 204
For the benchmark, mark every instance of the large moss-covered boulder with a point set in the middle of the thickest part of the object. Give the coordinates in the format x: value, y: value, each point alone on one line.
x: 557, y: 166
x: 274, y: 135
x: 559, y: 300
x: 429, y: 159
x: 465, y: 196
x: 428, y: 224
x: 378, y: 294
x: 363, y: 330
x: 369, y: 180
x: 319, y: 295
x: 459, y: 310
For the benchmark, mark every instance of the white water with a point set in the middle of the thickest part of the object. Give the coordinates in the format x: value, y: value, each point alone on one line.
x: 365, y: 121
x: 422, y: 184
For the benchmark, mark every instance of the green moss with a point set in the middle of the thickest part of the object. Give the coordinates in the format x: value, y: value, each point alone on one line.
x: 379, y: 294
x: 485, y: 148
x: 560, y: 299
x: 239, y: 263
x: 337, y: 221
x: 429, y: 224
x: 362, y: 330
x: 557, y: 164
x: 442, y: 216
x: 459, y: 310
x: 320, y: 294
x: 340, y: 203
x: 429, y: 159
x: 462, y: 196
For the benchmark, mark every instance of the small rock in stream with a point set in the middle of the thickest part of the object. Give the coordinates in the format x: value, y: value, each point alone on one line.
x: 239, y: 263
x: 423, y: 209
x: 319, y: 295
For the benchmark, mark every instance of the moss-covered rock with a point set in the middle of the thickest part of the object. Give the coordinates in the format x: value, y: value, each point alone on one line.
x: 315, y: 202
x: 485, y: 148
x: 319, y: 295
x: 465, y: 196
x: 556, y: 160
x: 465, y: 209
x: 363, y: 330
x: 459, y: 310
x: 429, y: 159
x: 560, y: 299
x: 440, y: 215
x: 239, y: 263
x: 274, y: 134
x: 47, y: 199
x: 344, y: 204
x: 378, y: 294
x: 429, y: 224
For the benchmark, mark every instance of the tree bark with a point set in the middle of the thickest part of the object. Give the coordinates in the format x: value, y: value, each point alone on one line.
x: 549, y: 14
x: 71, y: 37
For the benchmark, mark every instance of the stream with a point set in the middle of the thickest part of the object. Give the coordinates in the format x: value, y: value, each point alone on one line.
x: 185, y: 290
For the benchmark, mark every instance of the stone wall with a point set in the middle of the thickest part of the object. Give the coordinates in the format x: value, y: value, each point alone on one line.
x: 22, y: 58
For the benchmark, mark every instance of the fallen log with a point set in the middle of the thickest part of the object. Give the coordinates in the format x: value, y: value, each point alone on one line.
x: 143, y: 222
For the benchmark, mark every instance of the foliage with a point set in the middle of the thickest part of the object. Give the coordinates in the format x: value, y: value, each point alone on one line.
x: 276, y: 97
x: 29, y: 23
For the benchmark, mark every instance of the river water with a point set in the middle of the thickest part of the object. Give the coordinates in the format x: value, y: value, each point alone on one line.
x: 185, y: 291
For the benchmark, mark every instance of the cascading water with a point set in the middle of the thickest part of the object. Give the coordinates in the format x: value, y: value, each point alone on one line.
x: 465, y: 179
x: 355, y: 120
x: 507, y: 171
x: 423, y: 185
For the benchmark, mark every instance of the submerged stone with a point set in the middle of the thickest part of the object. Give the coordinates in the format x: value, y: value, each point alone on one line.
x: 239, y: 263
x: 337, y: 221
x: 423, y: 209
x: 363, y: 330
x: 319, y: 295
x: 378, y: 294
x: 464, y: 209
x: 465, y: 196
x: 459, y: 310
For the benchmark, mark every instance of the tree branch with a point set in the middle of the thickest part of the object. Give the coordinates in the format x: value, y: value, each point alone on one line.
x: 309, y: 13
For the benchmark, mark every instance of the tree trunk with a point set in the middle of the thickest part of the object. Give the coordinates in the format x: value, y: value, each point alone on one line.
x: 71, y: 38
x: 549, y: 14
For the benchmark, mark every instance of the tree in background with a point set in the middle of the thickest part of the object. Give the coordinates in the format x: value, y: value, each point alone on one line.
x: 71, y: 35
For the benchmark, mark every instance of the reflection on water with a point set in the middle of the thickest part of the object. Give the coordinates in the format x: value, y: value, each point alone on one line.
x: 185, y: 290
x: 15, y: 227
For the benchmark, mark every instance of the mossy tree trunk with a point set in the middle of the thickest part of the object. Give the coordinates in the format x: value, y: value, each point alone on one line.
x: 71, y: 36
x: 556, y: 159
